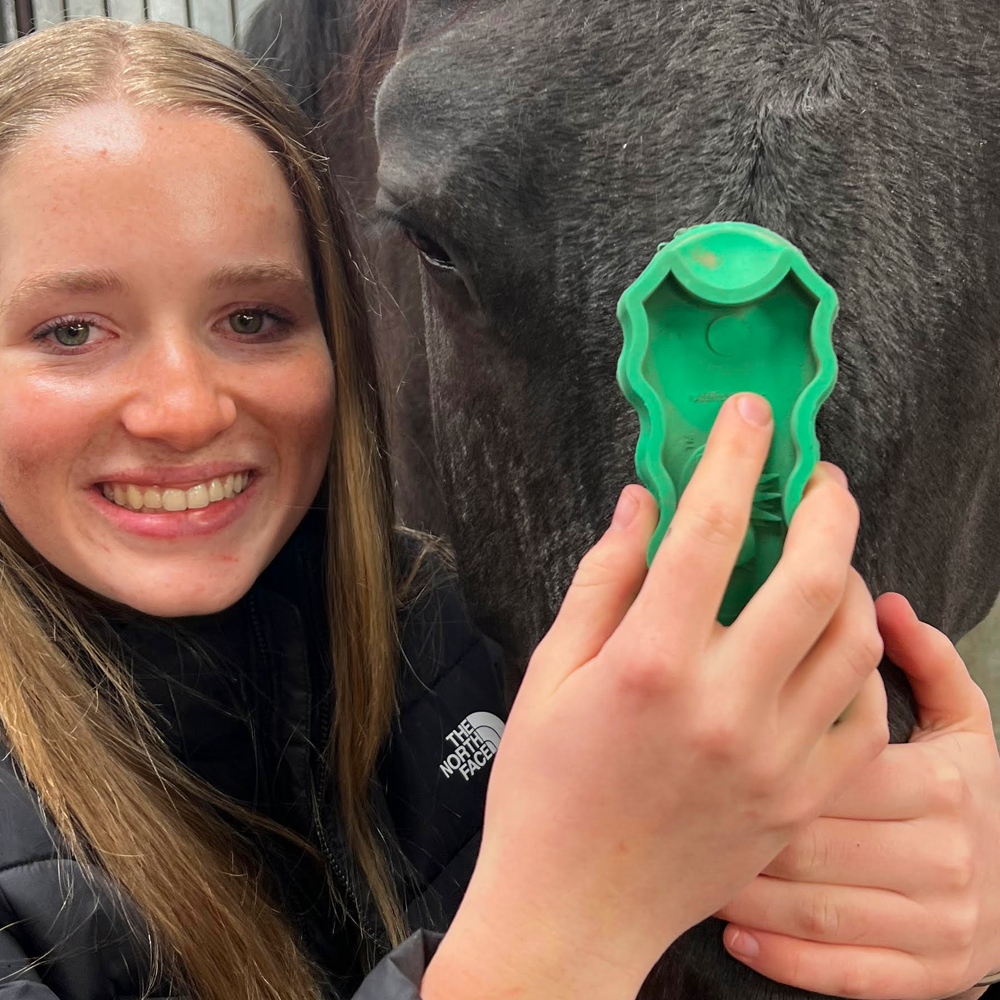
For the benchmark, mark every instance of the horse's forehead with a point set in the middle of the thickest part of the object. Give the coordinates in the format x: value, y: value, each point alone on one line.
x: 586, y: 94
x: 552, y: 144
x: 640, y: 53
x: 515, y: 108
x: 619, y: 121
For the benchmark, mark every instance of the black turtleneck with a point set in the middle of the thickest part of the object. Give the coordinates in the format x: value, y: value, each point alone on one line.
x: 237, y: 697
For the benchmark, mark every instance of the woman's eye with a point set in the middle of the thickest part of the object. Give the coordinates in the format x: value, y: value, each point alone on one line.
x: 247, y: 321
x: 74, y: 334
x: 266, y: 322
x: 70, y: 332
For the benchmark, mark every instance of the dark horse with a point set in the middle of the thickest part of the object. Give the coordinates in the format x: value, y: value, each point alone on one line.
x: 537, y: 151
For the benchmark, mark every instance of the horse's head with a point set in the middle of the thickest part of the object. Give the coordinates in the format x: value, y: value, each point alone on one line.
x: 537, y: 151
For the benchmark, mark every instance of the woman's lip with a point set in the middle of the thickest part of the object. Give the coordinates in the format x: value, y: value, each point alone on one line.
x: 176, y: 524
x: 175, y: 476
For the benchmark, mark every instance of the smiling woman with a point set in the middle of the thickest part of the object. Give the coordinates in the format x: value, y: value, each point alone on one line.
x: 177, y: 285
x: 164, y: 381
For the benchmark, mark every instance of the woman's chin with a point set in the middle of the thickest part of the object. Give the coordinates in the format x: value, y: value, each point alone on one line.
x: 186, y: 608
x: 197, y: 590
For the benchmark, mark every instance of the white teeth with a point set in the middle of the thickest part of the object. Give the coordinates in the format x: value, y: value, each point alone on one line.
x: 175, y: 500
x: 196, y: 498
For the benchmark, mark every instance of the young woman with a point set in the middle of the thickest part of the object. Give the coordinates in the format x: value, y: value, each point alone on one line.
x: 235, y: 766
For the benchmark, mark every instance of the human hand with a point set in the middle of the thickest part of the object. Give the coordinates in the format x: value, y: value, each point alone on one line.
x: 655, y: 761
x: 894, y: 892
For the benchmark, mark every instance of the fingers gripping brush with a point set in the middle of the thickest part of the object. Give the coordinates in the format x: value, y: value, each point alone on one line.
x: 726, y: 308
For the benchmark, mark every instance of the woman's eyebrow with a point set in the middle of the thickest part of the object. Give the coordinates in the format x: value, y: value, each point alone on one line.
x: 86, y: 281
x: 259, y: 273
x: 78, y: 281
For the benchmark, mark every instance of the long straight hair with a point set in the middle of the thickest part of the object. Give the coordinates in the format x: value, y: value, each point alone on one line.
x: 118, y: 798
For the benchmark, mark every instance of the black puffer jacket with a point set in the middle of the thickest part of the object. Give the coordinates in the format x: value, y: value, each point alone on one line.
x: 243, y: 706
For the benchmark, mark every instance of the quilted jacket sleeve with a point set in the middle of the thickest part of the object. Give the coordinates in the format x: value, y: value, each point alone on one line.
x: 63, y: 935
x: 18, y: 981
x: 398, y: 975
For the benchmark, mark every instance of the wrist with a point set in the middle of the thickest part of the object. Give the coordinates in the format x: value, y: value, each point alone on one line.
x: 497, y: 952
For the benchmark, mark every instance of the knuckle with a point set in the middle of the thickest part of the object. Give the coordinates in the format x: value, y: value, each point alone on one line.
x: 956, y: 866
x: 818, y: 917
x: 646, y: 667
x: 857, y: 981
x: 875, y: 734
x: 871, y: 649
x: 867, y: 724
x: 947, y: 787
x: 717, y: 734
x: 958, y: 929
x: 880, y: 736
x: 806, y: 853
x: 846, y: 510
x: 640, y: 678
x: 863, y: 651
x: 596, y: 567
x: 766, y: 778
x: 798, y: 966
x: 716, y: 523
x: 819, y: 587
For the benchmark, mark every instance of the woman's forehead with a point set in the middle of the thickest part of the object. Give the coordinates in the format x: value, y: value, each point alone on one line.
x: 111, y: 129
x: 120, y: 183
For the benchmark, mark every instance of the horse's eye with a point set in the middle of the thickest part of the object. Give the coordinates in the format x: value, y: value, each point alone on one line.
x: 433, y: 253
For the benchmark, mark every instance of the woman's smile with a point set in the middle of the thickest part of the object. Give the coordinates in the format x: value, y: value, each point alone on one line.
x: 171, y: 499
x: 175, y: 511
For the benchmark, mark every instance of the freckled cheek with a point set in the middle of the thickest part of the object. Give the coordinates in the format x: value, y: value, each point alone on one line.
x: 37, y: 445
x: 306, y: 417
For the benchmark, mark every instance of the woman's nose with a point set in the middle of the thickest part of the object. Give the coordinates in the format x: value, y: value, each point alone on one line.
x: 178, y: 394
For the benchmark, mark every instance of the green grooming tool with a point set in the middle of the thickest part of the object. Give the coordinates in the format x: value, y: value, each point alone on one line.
x: 720, y: 309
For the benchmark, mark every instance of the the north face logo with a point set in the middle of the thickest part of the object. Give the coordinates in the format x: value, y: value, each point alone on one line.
x: 475, y: 739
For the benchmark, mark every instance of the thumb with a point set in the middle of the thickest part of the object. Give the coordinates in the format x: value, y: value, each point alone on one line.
x: 606, y: 583
x: 946, y: 695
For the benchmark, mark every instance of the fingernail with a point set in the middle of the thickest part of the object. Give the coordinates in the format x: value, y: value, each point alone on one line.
x: 837, y: 473
x: 742, y: 943
x: 754, y: 409
x: 625, y: 510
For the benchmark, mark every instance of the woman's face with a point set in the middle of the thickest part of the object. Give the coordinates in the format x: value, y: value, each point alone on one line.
x: 166, y: 391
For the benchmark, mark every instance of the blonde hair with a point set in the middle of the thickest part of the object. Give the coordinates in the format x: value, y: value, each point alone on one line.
x: 116, y: 795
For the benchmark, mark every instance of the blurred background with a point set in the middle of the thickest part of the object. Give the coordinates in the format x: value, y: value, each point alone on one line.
x: 981, y: 651
x: 224, y: 20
